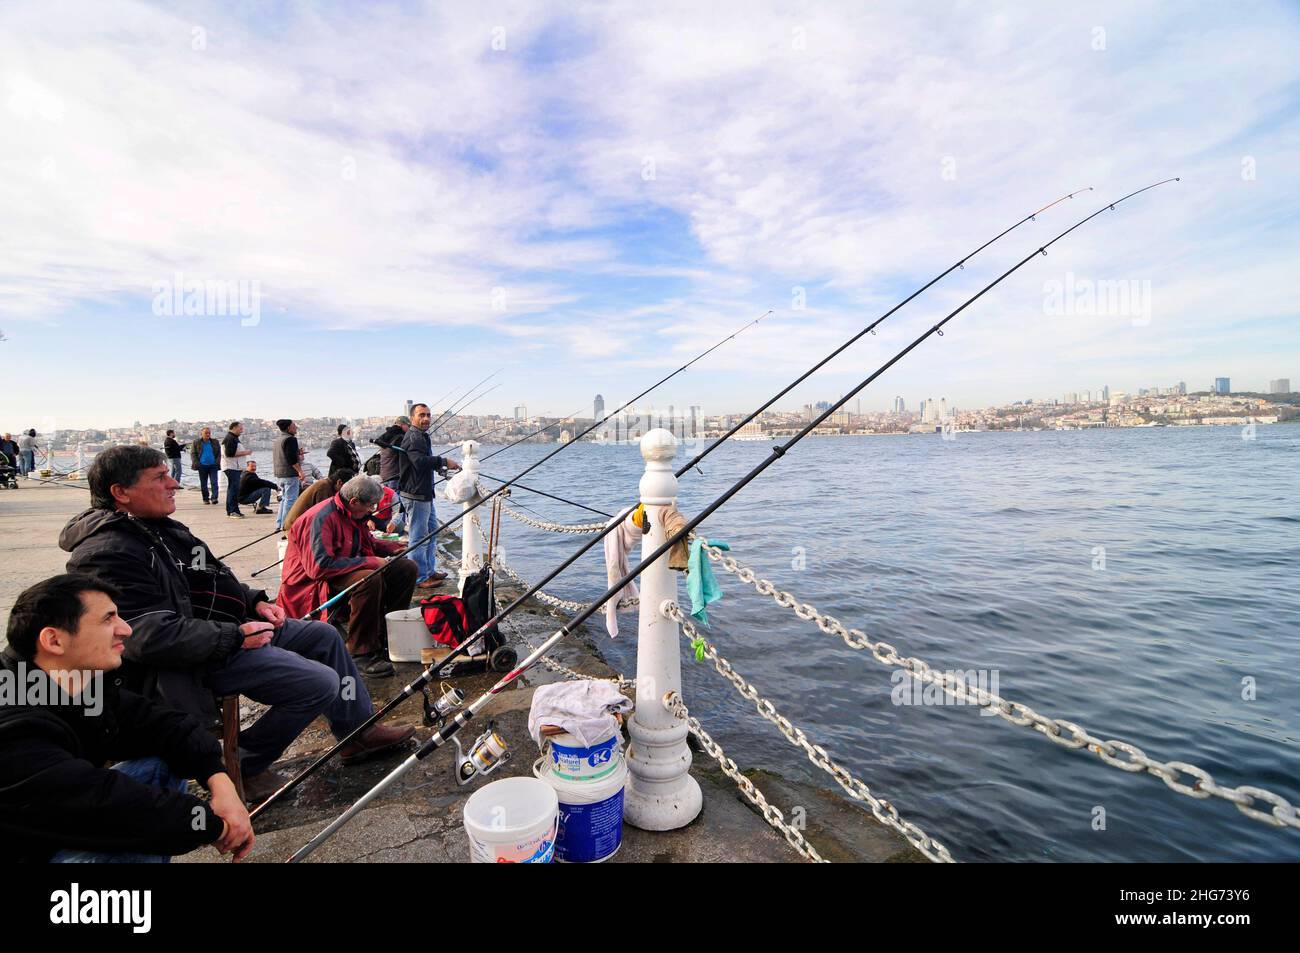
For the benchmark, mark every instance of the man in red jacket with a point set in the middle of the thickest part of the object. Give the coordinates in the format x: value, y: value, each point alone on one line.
x: 330, y: 548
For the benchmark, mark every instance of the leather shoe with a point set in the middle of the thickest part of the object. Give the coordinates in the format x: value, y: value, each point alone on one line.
x: 259, y: 787
x: 375, y: 740
x: 376, y: 666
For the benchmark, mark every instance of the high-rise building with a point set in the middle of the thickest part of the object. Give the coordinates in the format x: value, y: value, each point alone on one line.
x: 409, y: 404
x: 1222, y: 385
x: 598, y: 408
x: 1280, y: 386
x: 1182, y: 388
x: 1105, y: 392
x: 1071, y: 398
x: 521, y: 412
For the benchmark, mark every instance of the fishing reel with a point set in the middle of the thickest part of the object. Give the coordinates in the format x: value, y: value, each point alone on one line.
x: 488, y: 753
x: 437, y: 710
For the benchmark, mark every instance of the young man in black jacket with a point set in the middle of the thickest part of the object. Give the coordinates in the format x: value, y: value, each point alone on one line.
x: 417, y: 465
x: 199, y: 631
x: 173, y: 450
x: 65, y: 716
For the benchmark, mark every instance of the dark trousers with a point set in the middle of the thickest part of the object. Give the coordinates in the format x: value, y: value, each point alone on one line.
x: 305, y: 671
x: 232, y: 490
x: 208, y: 476
x: 371, y: 602
x: 258, y: 498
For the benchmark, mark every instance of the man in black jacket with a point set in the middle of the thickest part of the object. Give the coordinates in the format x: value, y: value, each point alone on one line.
x: 389, y: 467
x: 253, y: 489
x: 285, y: 467
x: 199, y: 631
x: 417, y: 466
x: 67, y: 716
x: 173, y: 451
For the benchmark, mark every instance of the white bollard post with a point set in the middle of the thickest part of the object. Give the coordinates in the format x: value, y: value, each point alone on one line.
x: 661, y: 795
x: 471, y: 543
x: 81, y: 462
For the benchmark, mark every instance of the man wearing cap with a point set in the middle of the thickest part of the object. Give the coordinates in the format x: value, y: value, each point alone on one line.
x: 286, y: 468
x: 389, y: 444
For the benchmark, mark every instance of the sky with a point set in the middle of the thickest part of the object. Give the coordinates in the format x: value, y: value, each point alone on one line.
x: 406, y: 197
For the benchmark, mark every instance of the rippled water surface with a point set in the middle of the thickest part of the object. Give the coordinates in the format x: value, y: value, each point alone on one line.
x: 985, y: 553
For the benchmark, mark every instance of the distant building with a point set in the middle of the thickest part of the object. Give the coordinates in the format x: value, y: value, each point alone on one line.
x: 598, y: 408
x: 1222, y: 385
x: 521, y: 412
x: 409, y: 404
x: 1280, y: 386
x: 1182, y: 388
x: 1105, y: 393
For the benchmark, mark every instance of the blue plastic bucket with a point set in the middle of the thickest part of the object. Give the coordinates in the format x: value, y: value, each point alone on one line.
x: 569, y: 761
x: 591, y: 814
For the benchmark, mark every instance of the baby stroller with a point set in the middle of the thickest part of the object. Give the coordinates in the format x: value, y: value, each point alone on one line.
x: 8, y: 471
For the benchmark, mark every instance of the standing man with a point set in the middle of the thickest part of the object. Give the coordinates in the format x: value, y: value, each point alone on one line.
x: 205, y: 457
x: 389, y: 467
x: 415, y: 480
x: 173, y: 451
x: 286, y: 468
x: 27, y: 452
x: 343, y: 452
x: 231, y: 454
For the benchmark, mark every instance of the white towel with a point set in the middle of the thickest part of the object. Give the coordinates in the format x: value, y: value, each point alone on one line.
x: 618, y: 545
x: 583, y: 709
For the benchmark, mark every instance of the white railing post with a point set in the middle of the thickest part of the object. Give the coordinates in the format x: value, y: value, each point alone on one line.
x: 661, y: 795
x: 81, y: 463
x: 471, y: 543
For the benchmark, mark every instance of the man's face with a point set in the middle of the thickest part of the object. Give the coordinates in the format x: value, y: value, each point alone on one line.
x: 252, y: 466
x: 421, y: 417
x: 153, y: 495
x: 359, y: 511
x: 97, y: 644
x: 237, y: 429
x: 206, y: 433
x: 293, y: 429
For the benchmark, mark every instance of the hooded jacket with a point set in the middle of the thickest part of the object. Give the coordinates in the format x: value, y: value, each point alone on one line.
x: 325, y: 543
x: 388, y: 457
x: 170, y: 651
x: 55, y: 791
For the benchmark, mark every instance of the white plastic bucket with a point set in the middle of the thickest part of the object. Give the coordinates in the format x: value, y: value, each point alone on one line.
x: 512, y: 821
x: 407, y: 634
x: 591, y: 814
x: 571, y: 761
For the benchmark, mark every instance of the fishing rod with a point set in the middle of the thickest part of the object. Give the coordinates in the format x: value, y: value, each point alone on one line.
x: 429, y: 673
x: 541, y: 430
x: 70, y: 486
x: 465, y: 715
x: 452, y: 416
x: 443, y: 415
x: 376, y: 716
x: 552, y: 496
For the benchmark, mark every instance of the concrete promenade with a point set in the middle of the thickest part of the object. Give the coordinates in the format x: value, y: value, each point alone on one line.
x: 419, y: 818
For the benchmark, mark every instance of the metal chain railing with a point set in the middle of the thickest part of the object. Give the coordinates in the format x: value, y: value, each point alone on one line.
x: 579, y: 529
x: 883, y: 811
x: 1067, y: 734
x: 541, y: 595
x: 771, y: 814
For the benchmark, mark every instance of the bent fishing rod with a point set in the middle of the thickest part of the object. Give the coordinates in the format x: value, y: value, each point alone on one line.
x: 443, y: 666
x: 314, y: 766
x: 465, y: 715
x: 444, y: 416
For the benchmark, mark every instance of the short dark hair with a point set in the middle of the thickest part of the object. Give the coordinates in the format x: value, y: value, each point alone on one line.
x: 342, y: 427
x: 284, y: 423
x: 342, y: 473
x: 425, y: 406
x: 171, y: 433
x: 57, y: 602
x: 234, y: 424
x: 119, y: 466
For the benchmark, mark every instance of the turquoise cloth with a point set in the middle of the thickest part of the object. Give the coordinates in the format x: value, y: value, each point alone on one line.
x: 699, y: 579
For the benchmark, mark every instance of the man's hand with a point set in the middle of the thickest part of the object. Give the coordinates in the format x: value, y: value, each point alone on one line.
x: 237, y: 832
x: 453, y: 465
x: 256, y: 634
x: 270, y: 612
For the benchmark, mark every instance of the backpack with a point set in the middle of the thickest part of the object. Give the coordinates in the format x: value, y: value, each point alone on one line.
x: 371, y: 466
x: 477, y: 596
x: 445, y: 618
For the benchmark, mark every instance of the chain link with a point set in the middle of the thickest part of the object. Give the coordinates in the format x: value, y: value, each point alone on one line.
x: 1064, y: 733
x: 883, y: 811
x: 578, y: 529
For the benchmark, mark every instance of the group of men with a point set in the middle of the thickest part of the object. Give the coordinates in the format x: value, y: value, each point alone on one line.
x: 130, y: 649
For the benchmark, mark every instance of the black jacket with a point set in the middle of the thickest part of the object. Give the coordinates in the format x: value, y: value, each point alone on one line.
x: 196, y: 448
x: 388, y: 457
x: 57, y: 794
x: 172, y: 449
x: 250, y: 482
x: 343, y: 454
x: 418, y: 465
x: 170, y: 651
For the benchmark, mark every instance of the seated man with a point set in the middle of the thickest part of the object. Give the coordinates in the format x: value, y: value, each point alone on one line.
x: 330, y: 548
x: 68, y: 719
x: 319, y: 491
x: 253, y: 489
x: 200, y: 632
